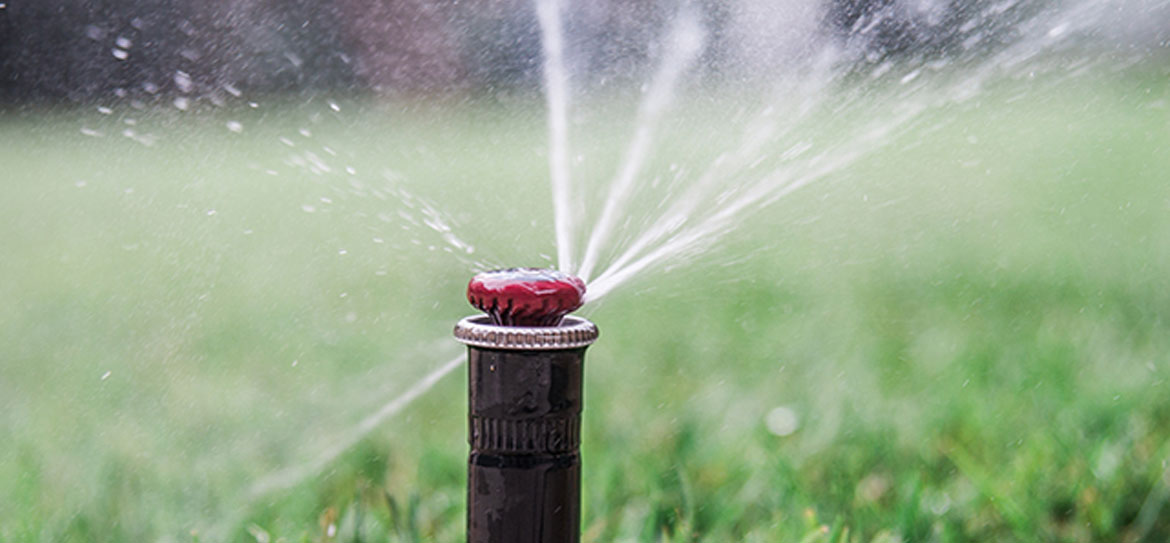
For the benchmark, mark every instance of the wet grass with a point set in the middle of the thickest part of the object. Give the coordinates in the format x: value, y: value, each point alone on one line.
x: 972, y: 329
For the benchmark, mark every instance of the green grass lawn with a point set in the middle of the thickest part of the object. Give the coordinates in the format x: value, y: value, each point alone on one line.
x: 972, y: 327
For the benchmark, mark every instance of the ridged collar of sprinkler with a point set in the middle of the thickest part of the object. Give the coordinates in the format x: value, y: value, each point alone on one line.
x: 479, y: 331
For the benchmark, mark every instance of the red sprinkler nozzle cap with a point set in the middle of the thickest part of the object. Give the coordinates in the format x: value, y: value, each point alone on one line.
x: 525, y: 296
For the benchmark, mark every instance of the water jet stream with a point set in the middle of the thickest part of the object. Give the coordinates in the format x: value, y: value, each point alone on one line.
x: 786, y: 179
x: 685, y: 44
x: 556, y: 92
x: 765, y: 192
x: 763, y: 129
x: 291, y: 476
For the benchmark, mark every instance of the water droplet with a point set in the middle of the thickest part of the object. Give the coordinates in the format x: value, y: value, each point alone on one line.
x: 235, y: 126
x: 80, y: 184
x: 120, y: 54
x: 305, y: 132
x: 183, y: 81
x: 210, y: 212
x: 104, y: 110
x: 308, y: 209
x: 334, y: 106
x: 90, y: 132
x: 342, y: 252
x: 106, y: 375
x: 182, y: 103
x: 782, y: 421
x: 123, y: 42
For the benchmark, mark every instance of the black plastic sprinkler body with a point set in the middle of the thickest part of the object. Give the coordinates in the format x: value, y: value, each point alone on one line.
x: 525, y: 362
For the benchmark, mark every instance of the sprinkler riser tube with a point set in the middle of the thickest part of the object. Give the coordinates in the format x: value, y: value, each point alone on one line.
x: 525, y: 397
x: 524, y: 423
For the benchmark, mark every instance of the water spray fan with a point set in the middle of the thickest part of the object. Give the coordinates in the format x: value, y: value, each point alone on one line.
x: 525, y: 375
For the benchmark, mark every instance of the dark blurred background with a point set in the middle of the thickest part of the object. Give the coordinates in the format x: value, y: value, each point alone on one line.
x: 79, y: 51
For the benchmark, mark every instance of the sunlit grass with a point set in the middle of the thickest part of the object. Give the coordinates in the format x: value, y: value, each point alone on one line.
x: 971, y: 328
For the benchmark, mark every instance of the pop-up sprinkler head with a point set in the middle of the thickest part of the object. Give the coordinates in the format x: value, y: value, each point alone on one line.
x: 525, y: 296
x: 525, y: 375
